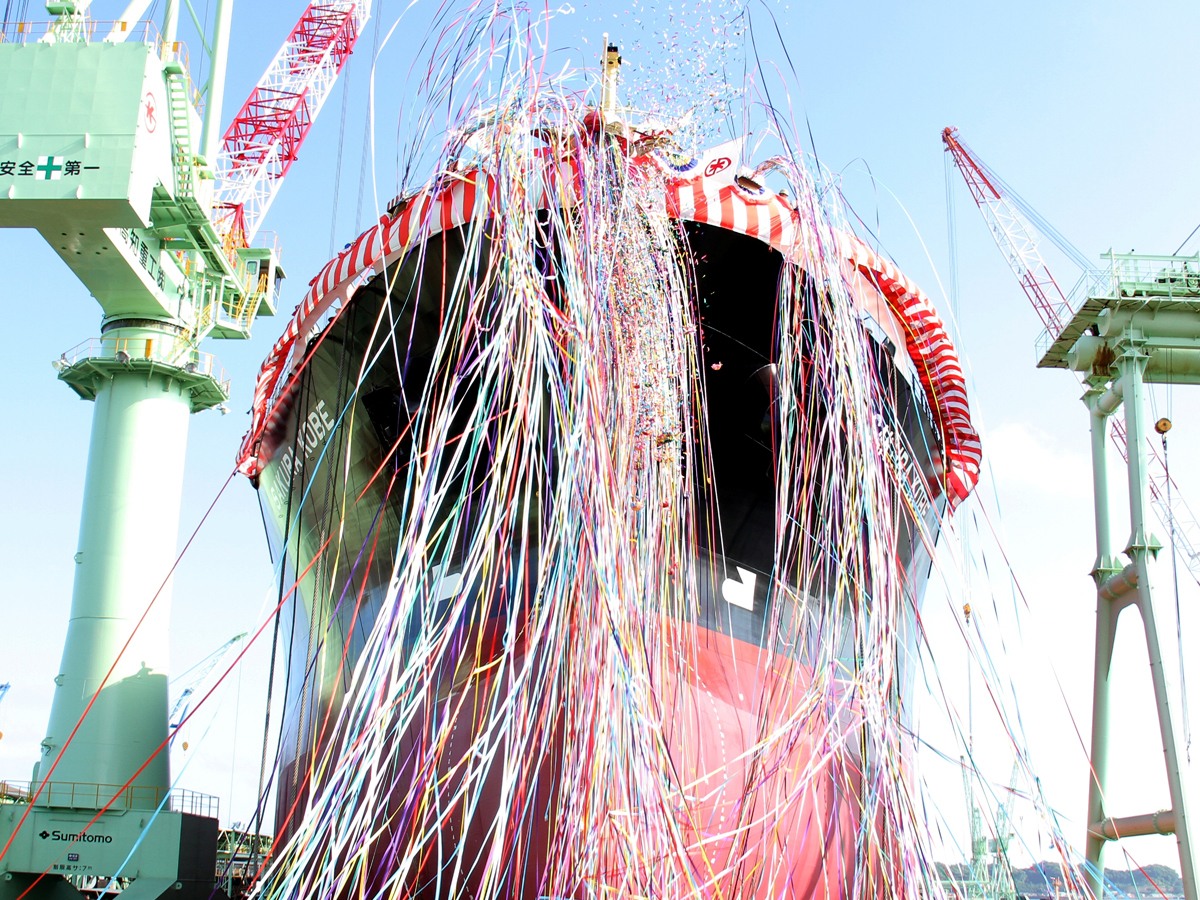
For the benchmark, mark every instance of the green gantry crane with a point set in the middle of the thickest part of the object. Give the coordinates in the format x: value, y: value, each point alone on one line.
x: 114, y: 155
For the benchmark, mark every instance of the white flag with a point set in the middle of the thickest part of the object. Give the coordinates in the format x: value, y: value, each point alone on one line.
x: 720, y: 163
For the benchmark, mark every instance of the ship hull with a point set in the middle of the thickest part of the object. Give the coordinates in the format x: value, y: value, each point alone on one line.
x: 782, y: 826
x: 776, y: 823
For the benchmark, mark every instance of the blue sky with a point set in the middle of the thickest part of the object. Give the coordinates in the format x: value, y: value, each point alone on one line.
x: 1090, y: 110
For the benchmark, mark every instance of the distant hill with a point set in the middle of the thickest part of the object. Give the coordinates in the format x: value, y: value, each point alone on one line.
x: 1165, y: 877
x: 1039, y: 880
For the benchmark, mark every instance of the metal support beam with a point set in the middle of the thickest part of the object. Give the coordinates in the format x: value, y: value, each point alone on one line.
x: 170, y: 28
x: 1111, y: 597
x: 1161, y: 822
x: 116, y: 651
x: 1141, y: 549
x: 1120, y: 588
x: 610, y: 66
x: 210, y: 136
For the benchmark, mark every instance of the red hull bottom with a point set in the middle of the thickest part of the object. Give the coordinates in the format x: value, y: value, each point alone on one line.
x: 766, y: 792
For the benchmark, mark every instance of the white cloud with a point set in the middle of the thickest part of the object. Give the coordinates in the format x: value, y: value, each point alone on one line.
x: 1023, y: 456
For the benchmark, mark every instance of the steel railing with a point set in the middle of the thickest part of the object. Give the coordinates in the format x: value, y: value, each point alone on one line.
x: 1153, y: 275
x: 144, y: 32
x: 176, y: 352
x: 83, y: 795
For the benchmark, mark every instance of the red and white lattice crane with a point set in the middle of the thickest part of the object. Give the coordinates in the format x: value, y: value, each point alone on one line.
x: 1017, y: 239
x: 265, y: 136
x: 1015, y: 236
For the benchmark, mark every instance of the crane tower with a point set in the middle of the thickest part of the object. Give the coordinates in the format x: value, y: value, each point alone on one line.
x: 116, y: 157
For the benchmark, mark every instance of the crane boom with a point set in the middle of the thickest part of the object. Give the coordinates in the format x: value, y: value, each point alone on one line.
x: 1018, y: 241
x: 1015, y: 236
x: 195, y: 679
x: 265, y: 137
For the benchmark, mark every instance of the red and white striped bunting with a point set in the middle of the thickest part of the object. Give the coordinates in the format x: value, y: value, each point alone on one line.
x: 425, y: 215
x: 937, y: 363
x: 764, y: 215
x: 760, y: 214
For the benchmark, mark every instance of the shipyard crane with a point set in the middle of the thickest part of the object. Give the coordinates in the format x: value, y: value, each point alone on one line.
x: 989, y: 873
x: 110, y: 151
x: 976, y: 887
x: 1009, y: 220
x: 183, y: 702
x: 1136, y: 323
x: 265, y: 137
x: 1002, y: 880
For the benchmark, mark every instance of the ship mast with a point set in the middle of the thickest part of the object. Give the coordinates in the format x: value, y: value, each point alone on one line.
x: 610, y: 69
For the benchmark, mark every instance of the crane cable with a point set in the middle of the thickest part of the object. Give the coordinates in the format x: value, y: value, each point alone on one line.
x: 1040, y: 222
x: 1185, y: 240
x: 337, y: 169
x: 367, y: 129
x: 1162, y: 427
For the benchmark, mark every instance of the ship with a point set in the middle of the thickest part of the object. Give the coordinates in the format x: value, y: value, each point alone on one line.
x: 579, y: 586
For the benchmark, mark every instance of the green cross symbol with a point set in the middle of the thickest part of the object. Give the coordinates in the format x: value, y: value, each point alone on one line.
x: 49, y: 167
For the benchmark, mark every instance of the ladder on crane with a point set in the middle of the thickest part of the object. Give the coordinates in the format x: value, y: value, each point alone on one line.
x: 181, y: 135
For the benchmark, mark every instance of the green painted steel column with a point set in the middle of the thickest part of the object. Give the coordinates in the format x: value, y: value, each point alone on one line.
x: 127, y: 546
x: 1106, y: 621
x: 170, y: 21
x: 210, y: 135
x: 1141, y: 547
